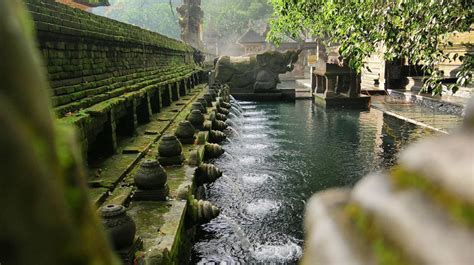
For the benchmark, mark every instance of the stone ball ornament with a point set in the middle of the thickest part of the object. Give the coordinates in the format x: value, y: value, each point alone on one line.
x: 196, y: 118
x: 150, y: 175
x: 119, y: 226
x: 169, y: 146
x: 185, y: 132
x: 198, y: 106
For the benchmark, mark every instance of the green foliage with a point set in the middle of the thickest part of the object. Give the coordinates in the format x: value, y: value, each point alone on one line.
x: 412, y: 29
x: 154, y: 15
x: 231, y: 18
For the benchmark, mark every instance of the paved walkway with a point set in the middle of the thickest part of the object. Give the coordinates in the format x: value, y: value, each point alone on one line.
x: 446, y: 98
x: 411, y: 112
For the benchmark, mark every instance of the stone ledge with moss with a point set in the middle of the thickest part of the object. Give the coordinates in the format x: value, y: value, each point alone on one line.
x: 106, y: 75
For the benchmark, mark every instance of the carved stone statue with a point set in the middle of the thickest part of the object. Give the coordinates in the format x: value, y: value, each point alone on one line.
x: 190, y: 21
x: 256, y: 73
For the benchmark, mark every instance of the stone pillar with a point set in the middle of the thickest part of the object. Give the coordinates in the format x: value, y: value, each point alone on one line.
x: 174, y: 91
x: 181, y: 88
x: 330, y: 85
x: 212, y: 77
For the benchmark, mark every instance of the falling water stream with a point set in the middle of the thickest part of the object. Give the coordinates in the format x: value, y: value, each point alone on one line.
x: 277, y: 156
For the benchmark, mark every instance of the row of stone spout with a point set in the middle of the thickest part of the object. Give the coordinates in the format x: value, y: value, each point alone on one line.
x: 217, y: 117
x: 151, y: 178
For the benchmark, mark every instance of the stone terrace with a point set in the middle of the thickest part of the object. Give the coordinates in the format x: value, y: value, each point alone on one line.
x: 108, y: 77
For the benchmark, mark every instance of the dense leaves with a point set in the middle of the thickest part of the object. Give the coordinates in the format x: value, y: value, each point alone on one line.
x: 229, y: 19
x: 412, y: 29
x: 154, y: 15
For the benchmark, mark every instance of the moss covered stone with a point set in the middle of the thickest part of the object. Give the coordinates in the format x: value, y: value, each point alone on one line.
x: 462, y: 210
x: 384, y: 251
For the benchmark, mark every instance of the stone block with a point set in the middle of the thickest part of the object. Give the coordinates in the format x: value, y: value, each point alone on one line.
x: 416, y: 225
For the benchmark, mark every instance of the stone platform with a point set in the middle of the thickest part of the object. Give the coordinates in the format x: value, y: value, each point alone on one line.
x: 303, y: 89
x: 446, y: 103
x: 361, y: 102
x: 162, y: 225
x: 435, y: 119
x: 259, y: 96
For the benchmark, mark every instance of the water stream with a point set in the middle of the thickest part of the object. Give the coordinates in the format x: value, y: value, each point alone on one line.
x: 279, y: 154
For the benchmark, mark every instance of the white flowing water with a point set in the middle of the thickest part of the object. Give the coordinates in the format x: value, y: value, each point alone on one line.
x: 279, y: 154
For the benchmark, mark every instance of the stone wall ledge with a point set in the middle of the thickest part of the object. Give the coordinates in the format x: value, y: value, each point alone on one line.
x: 59, y: 18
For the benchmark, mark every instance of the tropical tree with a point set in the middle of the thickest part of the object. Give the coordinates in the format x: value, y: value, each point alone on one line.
x: 417, y: 30
x: 154, y: 15
x: 231, y: 18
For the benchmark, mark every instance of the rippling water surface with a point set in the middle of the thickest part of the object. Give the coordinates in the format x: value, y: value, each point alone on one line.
x: 278, y: 155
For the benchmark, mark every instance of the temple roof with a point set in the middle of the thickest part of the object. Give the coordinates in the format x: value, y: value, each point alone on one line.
x: 250, y: 36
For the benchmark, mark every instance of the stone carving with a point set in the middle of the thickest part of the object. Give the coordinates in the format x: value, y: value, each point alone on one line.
x: 209, y: 98
x: 170, y: 151
x: 196, y: 118
x: 221, y: 117
x: 204, y: 102
x: 185, y: 132
x: 222, y: 110
x: 334, y: 83
x: 198, y: 106
x: 212, y: 150
x: 256, y: 73
x: 150, y: 180
x: 207, y: 173
x: 150, y: 175
x: 213, y: 94
x: 120, y: 227
x: 216, y: 136
x: 203, y: 211
x: 221, y: 103
x: 190, y: 21
x: 218, y: 125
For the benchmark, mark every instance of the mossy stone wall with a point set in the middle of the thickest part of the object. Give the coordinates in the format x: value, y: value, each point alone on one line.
x: 99, y: 67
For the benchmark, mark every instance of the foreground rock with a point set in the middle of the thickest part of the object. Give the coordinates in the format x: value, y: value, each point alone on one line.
x: 419, y: 212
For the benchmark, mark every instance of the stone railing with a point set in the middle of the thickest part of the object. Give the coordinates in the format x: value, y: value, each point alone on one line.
x: 419, y: 212
x: 107, y: 76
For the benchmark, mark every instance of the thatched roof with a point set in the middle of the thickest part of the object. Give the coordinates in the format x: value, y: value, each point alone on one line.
x: 250, y: 36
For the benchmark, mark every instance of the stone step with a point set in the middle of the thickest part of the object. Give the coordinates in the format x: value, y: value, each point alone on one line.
x: 302, y: 93
x: 74, y: 101
x: 416, y: 225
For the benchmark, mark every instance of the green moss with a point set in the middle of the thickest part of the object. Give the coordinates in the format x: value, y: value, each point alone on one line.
x: 461, y: 210
x: 384, y: 251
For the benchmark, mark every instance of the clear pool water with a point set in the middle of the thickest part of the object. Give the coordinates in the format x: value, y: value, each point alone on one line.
x: 278, y: 155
